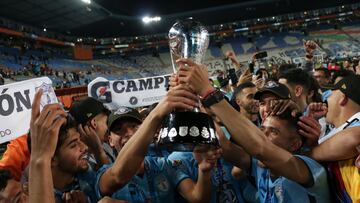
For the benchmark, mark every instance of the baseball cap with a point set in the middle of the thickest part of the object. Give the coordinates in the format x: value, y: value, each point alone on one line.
x: 276, y: 88
x: 86, y: 109
x: 350, y: 87
x: 124, y: 113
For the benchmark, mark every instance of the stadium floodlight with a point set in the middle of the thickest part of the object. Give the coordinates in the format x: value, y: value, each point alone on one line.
x: 86, y: 1
x: 148, y: 19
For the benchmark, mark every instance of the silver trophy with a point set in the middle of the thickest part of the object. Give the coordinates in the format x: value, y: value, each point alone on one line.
x: 188, y: 39
x: 185, y: 130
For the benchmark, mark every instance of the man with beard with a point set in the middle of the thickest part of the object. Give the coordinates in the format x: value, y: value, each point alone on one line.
x: 282, y: 176
x: 92, y: 116
x: 58, y: 158
x: 244, y: 98
x: 298, y: 82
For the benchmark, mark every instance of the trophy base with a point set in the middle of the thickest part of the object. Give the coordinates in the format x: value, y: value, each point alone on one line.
x: 187, y: 131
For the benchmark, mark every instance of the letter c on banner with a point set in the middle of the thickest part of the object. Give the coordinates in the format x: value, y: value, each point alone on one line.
x: 115, y: 86
x: 101, y: 98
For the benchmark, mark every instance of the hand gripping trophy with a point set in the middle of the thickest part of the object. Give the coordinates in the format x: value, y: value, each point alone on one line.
x: 185, y: 130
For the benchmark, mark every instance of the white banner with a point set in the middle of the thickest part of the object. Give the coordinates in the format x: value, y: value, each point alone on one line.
x: 130, y: 93
x: 15, y: 109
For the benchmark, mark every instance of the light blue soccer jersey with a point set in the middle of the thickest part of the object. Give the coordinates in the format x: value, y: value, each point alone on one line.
x: 84, y: 182
x: 283, y: 190
x: 157, y: 184
x: 224, y: 187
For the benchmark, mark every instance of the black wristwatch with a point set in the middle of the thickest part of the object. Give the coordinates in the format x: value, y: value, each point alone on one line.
x: 213, y: 98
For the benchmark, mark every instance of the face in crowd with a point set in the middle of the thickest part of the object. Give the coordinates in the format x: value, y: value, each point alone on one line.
x: 12, y: 191
x: 245, y: 99
x: 121, y: 131
x: 321, y: 77
x: 282, y: 133
x: 264, y: 104
x: 71, y: 153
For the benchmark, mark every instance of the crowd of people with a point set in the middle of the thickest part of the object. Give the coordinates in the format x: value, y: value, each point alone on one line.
x: 290, y: 134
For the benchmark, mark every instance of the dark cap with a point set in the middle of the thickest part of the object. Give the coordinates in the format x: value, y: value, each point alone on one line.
x: 276, y: 88
x: 86, y: 109
x: 350, y: 86
x: 124, y: 113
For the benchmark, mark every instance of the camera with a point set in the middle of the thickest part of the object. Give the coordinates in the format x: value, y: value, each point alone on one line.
x: 261, y: 55
x: 232, y: 76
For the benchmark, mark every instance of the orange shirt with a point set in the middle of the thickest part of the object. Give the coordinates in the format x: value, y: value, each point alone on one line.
x: 16, y: 157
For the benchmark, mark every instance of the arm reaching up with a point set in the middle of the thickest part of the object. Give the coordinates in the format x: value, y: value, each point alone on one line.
x: 255, y: 142
x: 132, y: 154
x: 44, y: 130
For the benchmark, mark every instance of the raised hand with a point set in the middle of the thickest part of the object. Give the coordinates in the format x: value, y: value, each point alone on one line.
x: 310, y: 129
x: 181, y: 97
x: 310, y: 47
x: 278, y: 106
x: 231, y: 55
x: 195, y: 76
x: 317, y: 110
x: 259, y: 82
x: 44, y: 132
x: 90, y: 137
x: 174, y: 81
x: 44, y: 128
x: 207, y: 160
x: 246, y: 76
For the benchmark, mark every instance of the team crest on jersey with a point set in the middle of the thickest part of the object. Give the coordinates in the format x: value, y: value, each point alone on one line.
x: 162, y: 183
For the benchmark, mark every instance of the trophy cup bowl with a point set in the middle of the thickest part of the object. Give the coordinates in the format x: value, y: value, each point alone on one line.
x: 187, y: 130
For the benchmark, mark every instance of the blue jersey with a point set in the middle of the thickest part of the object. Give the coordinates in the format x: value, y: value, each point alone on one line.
x: 84, y: 182
x: 281, y: 189
x: 157, y: 184
x: 157, y: 151
x: 224, y: 187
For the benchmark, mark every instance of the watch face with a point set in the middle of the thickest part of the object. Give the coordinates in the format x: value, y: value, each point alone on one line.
x: 219, y: 96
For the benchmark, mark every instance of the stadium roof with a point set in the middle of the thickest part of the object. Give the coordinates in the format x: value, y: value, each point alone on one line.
x: 115, y: 18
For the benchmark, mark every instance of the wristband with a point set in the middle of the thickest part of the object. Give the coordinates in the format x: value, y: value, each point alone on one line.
x: 213, y: 98
x: 208, y: 93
